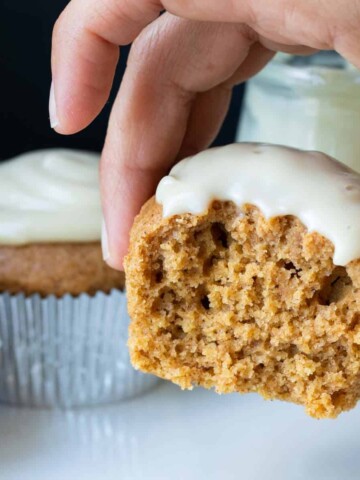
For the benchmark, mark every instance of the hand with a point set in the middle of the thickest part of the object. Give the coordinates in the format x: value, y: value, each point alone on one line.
x: 178, y: 81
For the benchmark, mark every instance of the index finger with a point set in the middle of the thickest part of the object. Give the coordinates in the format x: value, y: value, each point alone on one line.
x: 85, y: 49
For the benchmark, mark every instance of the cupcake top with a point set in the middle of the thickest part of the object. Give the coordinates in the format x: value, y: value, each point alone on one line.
x: 50, y: 196
x: 323, y: 193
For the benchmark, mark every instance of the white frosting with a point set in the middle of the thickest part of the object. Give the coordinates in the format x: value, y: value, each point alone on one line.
x: 50, y: 196
x: 323, y: 193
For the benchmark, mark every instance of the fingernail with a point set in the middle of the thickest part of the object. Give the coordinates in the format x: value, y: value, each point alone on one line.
x: 104, y: 242
x: 54, y: 122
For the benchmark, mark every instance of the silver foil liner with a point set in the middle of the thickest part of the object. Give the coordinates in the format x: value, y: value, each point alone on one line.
x: 66, y: 352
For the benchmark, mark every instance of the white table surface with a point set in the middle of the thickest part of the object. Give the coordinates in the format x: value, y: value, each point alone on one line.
x: 168, y: 434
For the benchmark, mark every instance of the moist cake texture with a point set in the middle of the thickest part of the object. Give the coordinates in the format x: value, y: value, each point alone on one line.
x: 50, y: 225
x: 56, y: 268
x: 230, y: 300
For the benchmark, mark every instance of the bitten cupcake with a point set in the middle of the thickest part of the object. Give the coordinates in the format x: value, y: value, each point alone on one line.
x: 63, y: 320
x: 243, y: 275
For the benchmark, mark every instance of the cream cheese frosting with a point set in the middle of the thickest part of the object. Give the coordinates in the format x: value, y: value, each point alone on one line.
x: 323, y: 193
x: 50, y: 196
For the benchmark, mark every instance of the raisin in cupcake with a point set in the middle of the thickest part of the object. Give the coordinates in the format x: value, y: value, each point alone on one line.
x: 63, y: 314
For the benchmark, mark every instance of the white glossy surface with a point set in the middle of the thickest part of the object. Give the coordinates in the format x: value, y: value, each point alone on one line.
x: 323, y: 193
x: 50, y: 195
x: 173, y: 435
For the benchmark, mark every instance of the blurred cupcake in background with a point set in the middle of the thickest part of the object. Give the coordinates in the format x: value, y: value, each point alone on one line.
x: 63, y: 313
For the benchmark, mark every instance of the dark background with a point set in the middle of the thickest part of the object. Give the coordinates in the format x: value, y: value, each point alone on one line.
x: 25, y: 39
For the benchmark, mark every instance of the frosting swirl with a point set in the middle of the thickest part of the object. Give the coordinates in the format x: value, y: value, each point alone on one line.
x: 323, y: 193
x: 50, y: 196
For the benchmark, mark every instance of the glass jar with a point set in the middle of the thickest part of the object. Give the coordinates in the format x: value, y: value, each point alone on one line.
x: 311, y: 103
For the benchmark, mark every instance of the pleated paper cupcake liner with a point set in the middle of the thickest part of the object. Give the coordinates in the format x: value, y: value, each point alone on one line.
x: 66, y: 352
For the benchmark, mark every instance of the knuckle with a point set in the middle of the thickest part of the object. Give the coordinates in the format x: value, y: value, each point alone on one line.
x: 59, y: 27
x: 56, y: 30
x: 145, y: 45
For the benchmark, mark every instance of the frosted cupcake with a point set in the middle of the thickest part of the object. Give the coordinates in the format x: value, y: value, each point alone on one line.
x: 63, y: 320
x: 243, y: 275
